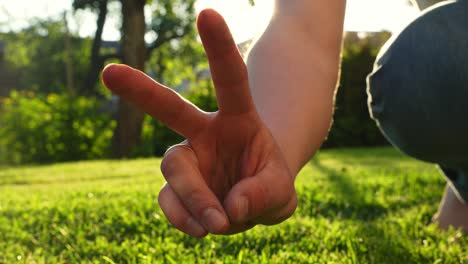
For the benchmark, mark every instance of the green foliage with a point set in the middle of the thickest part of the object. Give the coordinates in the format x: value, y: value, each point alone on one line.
x: 38, y: 54
x: 352, y: 124
x: 177, y: 55
x: 355, y: 206
x: 172, y: 18
x: 203, y: 95
x: 39, y: 128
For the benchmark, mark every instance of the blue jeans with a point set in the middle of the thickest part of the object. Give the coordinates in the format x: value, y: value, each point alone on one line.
x: 418, y: 91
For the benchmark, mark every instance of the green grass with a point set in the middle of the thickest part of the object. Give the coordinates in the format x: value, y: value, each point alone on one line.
x: 355, y: 206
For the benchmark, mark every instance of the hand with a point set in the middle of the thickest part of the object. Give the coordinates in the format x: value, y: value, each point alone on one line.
x: 229, y: 175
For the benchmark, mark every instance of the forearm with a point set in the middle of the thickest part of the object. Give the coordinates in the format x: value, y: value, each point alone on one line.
x: 293, y: 71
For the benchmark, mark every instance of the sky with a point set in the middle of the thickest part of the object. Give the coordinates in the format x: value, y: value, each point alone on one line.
x: 245, y: 21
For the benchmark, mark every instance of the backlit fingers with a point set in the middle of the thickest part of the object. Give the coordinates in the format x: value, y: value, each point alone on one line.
x: 177, y: 214
x: 155, y: 99
x: 181, y: 171
x: 228, y: 69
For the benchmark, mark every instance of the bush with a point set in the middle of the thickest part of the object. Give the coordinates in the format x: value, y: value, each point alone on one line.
x: 352, y: 125
x: 52, y: 128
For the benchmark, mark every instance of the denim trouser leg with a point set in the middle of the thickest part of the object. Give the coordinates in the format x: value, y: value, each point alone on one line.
x: 418, y: 91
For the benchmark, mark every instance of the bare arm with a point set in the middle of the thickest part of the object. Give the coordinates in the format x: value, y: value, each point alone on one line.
x: 293, y: 71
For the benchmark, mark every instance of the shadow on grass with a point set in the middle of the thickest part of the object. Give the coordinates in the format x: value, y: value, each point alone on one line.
x: 350, y: 202
x: 373, y: 243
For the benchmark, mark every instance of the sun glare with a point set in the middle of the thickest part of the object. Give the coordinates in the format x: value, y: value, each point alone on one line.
x: 244, y: 20
x: 247, y: 22
x: 377, y: 15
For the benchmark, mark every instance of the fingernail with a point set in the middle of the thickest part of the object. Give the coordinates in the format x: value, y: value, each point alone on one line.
x: 243, y: 208
x: 195, y: 228
x: 214, y: 220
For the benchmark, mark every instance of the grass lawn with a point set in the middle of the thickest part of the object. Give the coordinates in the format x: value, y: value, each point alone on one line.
x: 355, y: 206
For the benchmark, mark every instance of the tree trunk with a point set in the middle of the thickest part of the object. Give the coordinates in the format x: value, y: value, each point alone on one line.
x: 97, y: 63
x: 68, y: 57
x: 130, y: 118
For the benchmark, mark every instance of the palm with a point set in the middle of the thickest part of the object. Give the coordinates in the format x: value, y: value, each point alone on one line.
x: 228, y: 155
x: 222, y: 151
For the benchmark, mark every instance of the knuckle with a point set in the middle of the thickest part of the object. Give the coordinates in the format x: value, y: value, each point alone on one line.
x: 285, y: 213
x: 179, y: 222
x: 163, y: 193
x: 286, y: 188
x: 291, y: 207
x: 169, y: 162
x: 174, y: 157
x: 196, y: 201
x: 261, y: 197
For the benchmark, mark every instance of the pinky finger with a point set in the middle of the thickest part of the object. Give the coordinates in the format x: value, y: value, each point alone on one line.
x: 177, y: 215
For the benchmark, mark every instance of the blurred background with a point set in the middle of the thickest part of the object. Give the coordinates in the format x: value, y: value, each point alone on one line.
x: 53, y: 107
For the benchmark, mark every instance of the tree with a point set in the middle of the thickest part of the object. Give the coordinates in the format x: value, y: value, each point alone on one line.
x: 352, y: 125
x: 97, y: 59
x: 37, y: 53
x: 172, y: 20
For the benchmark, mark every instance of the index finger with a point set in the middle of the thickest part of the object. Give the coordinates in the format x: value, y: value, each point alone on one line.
x: 155, y: 99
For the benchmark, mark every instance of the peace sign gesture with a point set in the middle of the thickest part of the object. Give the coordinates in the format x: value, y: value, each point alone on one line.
x: 229, y: 174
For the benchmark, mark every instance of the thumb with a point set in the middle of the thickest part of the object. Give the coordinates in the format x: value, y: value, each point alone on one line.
x: 267, y: 198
